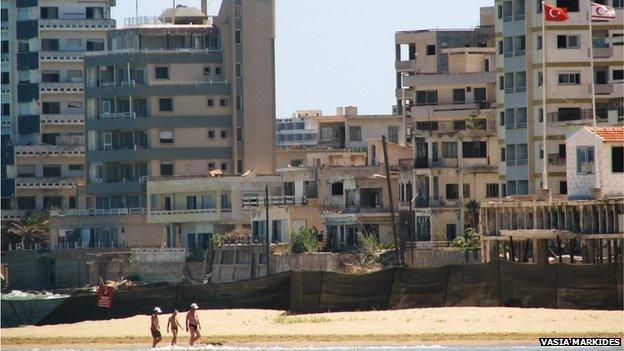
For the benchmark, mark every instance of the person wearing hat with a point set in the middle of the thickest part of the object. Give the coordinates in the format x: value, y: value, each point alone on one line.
x: 155, y: 326
x: 174, y: 324
x: 192, y: 323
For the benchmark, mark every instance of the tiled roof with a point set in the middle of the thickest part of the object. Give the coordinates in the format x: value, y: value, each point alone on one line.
x: 611, y: 133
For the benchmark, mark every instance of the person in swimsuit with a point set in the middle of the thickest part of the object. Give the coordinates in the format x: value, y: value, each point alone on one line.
x: 192, y: 323
x: 174, y: 324
x: 155, y: 327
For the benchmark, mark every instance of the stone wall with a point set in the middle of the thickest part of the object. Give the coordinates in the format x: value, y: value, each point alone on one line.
x: 440, y: 257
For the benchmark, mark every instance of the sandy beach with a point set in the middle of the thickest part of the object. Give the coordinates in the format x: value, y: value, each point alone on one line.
x: 458, y: 326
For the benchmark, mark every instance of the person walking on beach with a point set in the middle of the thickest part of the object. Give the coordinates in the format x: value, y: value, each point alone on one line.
x: 192, y: 323
x: 174, y: 324
x: 155, y: 327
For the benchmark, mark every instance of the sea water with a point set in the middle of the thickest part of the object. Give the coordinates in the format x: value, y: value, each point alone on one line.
x: 330, y: 348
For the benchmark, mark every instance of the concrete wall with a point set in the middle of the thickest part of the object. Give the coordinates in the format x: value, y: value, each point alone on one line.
x: 440, y: 257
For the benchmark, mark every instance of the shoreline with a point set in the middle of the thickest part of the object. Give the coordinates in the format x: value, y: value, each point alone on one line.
x: 449, y: 326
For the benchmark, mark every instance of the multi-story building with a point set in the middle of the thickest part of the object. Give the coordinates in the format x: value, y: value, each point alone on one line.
x: 298, y: 130
x: 567, y: 83
x: 175, y: 96
x: 341, y: 139
x: 43, y: 43
x: 183, y: 95
x: 447, y: 92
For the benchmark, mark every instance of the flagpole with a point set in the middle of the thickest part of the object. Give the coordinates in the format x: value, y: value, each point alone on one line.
x: 593, y: 96
x: 544, y: 114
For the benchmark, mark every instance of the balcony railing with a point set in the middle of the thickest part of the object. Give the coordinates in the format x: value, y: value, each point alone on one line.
x: 62, y: 119
x: 577, y: 115
x: 118, y: 115
x: 603, y: 52
x: 279, y: 200
x: 556, y: 159
x: 183, y: 212
x: 49, y: 150
x: 605, y: 88
x: 97, y: 212
x: 46, y: 183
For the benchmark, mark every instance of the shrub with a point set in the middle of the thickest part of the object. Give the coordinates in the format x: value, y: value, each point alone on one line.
x: 371, y: 247
x: 469, y: 241
x: 303, y: 240
x: 217, y: 239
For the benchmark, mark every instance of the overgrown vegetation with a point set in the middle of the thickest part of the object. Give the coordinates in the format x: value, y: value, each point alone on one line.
x: 471, y: 213
x: 303, y: 240
x: 370, y: 246
x: 467, y: 242
x: 217, y: 239
x: 33, y: 229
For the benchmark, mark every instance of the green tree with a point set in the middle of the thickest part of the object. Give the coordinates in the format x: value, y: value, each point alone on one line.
x: 471, y: 214
x: 303, y: 240
x: 33, y: 229
x: 469, y: 241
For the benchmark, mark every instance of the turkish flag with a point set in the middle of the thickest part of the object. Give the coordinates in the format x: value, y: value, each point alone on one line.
x: 556, y: 14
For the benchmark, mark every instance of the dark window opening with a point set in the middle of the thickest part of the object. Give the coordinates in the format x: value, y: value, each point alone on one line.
x: 166, y: 169
x: 474, y: 149
x: 431, y: 50
x: 165, y: 105
x: 161, y: 72
x: 336, y: 189
x: 617, y: 159
x: 452, y: 191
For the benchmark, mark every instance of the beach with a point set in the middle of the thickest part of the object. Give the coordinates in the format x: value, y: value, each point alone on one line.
x: 424, y: 326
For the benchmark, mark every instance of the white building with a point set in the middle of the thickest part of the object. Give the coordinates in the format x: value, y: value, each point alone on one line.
x: 581, y: 163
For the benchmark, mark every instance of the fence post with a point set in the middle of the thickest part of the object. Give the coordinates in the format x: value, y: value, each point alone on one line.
x: 500, y: 289
x: 446, y: 286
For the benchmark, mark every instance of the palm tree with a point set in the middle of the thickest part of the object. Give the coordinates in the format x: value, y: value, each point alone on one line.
x: 34, y: 229
x: 471, y: 215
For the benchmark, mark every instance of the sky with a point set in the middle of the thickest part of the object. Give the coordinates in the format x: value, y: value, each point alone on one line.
x: 333, y: 53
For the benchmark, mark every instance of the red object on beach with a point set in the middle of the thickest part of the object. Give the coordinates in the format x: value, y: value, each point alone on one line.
x: 105, y: 296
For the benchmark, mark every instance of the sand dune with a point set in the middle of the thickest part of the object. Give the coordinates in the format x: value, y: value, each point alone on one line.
x: 451, y: 324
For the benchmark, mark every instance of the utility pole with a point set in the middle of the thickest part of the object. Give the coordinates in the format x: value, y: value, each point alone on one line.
x: 395, y: 234
x: 268, y: 236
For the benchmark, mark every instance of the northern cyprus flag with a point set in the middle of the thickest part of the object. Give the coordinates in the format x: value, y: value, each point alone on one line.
x: 602, y: 12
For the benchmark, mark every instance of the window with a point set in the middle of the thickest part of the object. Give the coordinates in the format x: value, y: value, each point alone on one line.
x: 239, y: 134
x: 521, y: 118
x: 6, y: 109
x: 452, y: 191
x: 26, y: 171
x: 95, y: 13
x: 22, y: 46
x: 539, y: 42
x: 72, y: 202
x: 508, y: 45
x: 191, y: 202
x: 51, y: 171
x: 211, y: 166
x: 520, y: 81
x: 166, y: 169
x: 237, y: 11
x: 568, y: 41
x: 570, y: 5
x: 161, y: 72
x: 459, y: 125
x: 355, y: 133
x: 239, y: 70
x: 95, y: 44
x: 502, y: 154
x: 239, y: 166
x: 491, y: 190
x: 237, y: 36
x: 618, y: 4
x: 507, y: 11
x: 523, y: 187
x: 165, y: 136
x: 49, y: 12
x: 618, y: 74
x: 49, y: 44
x: 224, y: 133
x: 501, y: 118
x: 509, y: 82
x: 519, y: 10
x: 393, y: 134
x: 617, y: 159
x: 500, y: 47
x: 239, y: 102
x: 499, y: 11
x: 466, y: 190
x: 211, y: 102
x: 431, y: 50
x: 522, y: 154
x: 427, y: 97
x: 474, y: 149
x: 511, y: 155
x: 510, y: 116
x: 26, y: 202
x: 538, y: 6
x: 451, y: 231
x: 165, y: 105
x: 218, y: 70
x: 289, y: 188
x: 336, y: 189
x: 459, y: 96
x: 585, y: 160
x: 211, y: 134
x: 570, y: 78
x: 501, y: 82
x: 4, y: 15
x: 520, y: 45
x: 223, y: 102
x: 563, y: 187
x: 76, y: 167
x: 5, y: 78
x: 224, y: 166
x: 226, y: 202
x: 449, y: 150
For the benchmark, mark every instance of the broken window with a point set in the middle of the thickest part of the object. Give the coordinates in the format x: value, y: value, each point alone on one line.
x: 474, y: 149
x: 452, y: 191
x: 336, y: 188
x: 617, y: 159
x: 370, y: 198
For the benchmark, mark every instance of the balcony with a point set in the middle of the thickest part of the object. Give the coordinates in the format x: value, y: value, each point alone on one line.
x: 556, y: 160
x: 602, y: 88
x: 76, y: 24
x: 409, y: 65
x: 61, y: 87
x: 603, y: 52
x: 576, y: 116
x: 61, y: 56
x: 183, y: 215
x: 421, y: 80
x: 47, y: 183
x: 13, y: 215
x: 118, y: 115
x: 279, y: 200
x: 62, y: 120
x: 49, y: 151
x: 98, y: 212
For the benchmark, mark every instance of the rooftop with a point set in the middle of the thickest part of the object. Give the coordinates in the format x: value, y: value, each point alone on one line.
x: 610, y: 134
